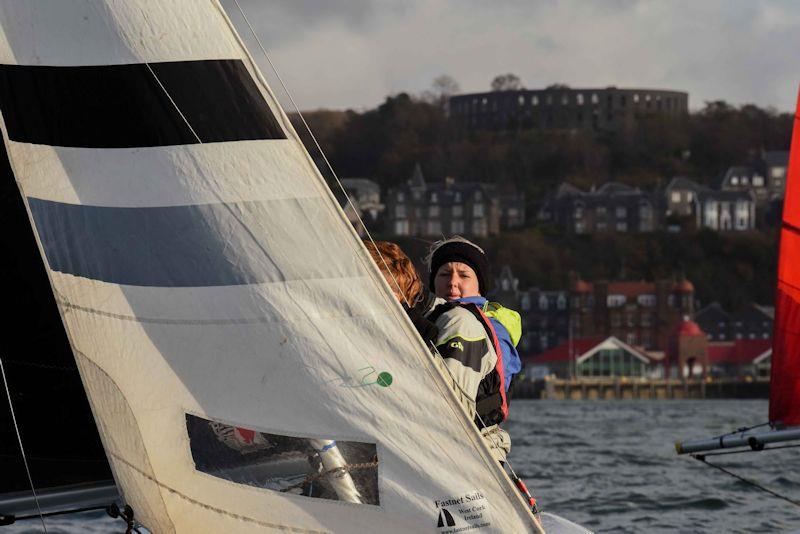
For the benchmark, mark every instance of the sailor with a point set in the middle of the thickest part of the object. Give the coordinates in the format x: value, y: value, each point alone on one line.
x: 476, y: 338
x: 401, y: 275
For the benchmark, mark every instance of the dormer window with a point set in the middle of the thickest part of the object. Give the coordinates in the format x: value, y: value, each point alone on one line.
x: 734, y: 180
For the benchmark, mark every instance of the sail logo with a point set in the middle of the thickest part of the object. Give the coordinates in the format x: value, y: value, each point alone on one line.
x: 462, y: 513
x: 457, y: 345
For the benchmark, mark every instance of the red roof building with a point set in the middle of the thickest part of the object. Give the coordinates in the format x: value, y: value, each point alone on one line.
x: 640, y: 313
x: 592, y: 357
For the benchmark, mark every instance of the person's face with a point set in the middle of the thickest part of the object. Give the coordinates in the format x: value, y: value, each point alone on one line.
x: 456, y: 280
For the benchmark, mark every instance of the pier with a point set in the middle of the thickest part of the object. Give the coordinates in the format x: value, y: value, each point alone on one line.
x: 598, y: 388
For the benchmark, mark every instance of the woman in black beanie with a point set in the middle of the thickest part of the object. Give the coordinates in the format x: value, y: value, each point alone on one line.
x: 474, y: 335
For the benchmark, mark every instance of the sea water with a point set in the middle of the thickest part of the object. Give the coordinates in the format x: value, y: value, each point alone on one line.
x: 611, y: 466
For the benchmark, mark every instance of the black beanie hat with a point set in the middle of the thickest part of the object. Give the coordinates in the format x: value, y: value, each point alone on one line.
x: 463, y: 252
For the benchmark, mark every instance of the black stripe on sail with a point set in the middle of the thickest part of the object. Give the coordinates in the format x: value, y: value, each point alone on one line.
x: 186, y: 246
x: 119, y: 106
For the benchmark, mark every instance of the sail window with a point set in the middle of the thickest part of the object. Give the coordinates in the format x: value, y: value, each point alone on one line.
x: 310, y: 467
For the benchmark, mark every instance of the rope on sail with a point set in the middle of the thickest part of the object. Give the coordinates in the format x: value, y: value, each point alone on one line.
x: 322, y: 152
x: 21, y: 448
x: 702, y: 458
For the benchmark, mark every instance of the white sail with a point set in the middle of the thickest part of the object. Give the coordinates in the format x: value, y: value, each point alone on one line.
x: 208, y: 280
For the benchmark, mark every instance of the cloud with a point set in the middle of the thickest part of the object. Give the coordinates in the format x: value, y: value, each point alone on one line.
x: 352, y: 54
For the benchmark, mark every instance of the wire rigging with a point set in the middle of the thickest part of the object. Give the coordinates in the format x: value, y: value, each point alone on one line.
x: 702, y: 458
x: 21, y: 447
x: 319, y: 148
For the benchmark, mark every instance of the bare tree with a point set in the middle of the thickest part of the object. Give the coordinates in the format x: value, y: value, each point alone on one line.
x: 506, y: 82
x: 442, y: 88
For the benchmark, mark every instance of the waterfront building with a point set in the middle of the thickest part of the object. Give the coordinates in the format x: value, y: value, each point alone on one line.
x: 741, y: 358
x: 560, y: 107
x: 434, y: 209
x: 593, y: 358
x: 640, y: 313
x: 611, y: 208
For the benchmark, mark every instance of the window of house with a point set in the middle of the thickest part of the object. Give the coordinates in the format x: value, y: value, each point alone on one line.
x: 535, y: 100
x: 434, y: 198
x: 400, y: 210
x: 734, y: 180
x: 434, y: 228
x: 579, y: 99
x: 635, y: 98
x: 433, y: 211
x: 521, y: 100
x: 578, y: 212
x: 758, y: 180
x: 400, y: 196
x: 600, y: 211
x: 646, y: 300
x: 477, y: 210
x: 630, y: 319
x: 579, y: 227
x: 615, y: 301
x: 457, y: 226
x: 458, y: 210
x: 542, y: 302
x: 744, y: 180
x: 621, y: 211
x: 631, y: 338
x: 647, y: 319
x: 622, y: 226
x: 601, y: 226
x: 675, y: 196
x: 561, y: 302
x: 595, y: 98
x: 525, y: 302
x: 615, y: 319
x: 549, y: 100
x: 778, y: 172
x: 689, y: 196
x: 401, y: 227
x: 479, y: 227
x: 564, y: 99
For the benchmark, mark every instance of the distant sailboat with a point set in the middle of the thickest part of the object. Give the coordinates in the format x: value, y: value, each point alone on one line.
x: 247, y: 366
x: 784, y: 402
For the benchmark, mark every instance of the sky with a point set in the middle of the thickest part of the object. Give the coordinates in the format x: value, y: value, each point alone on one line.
x: 351, y: 54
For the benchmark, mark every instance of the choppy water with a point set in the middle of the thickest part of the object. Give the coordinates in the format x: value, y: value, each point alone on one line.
x: 611, y: 466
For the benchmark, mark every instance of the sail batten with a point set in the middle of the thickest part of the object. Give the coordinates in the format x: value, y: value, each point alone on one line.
x: 221, y: 280
x: 784, y: 405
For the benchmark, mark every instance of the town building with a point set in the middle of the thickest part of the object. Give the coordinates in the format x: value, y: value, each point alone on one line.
x: 436, y: 209
x: 741, y: 358
x: 751, y: 322
x: 641, y: 314
x: 544, y: 314
x: 593, y: 358
x: 559, y: 107
x: 611, y: 208
x: 690, y: 204
x: 368, y: 195
x: 765, y: 177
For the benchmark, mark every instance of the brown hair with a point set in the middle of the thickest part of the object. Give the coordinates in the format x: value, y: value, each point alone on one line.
x: 399, y: 267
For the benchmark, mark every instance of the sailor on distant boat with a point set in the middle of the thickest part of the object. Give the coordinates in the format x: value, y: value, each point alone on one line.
x: 476, y: 338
